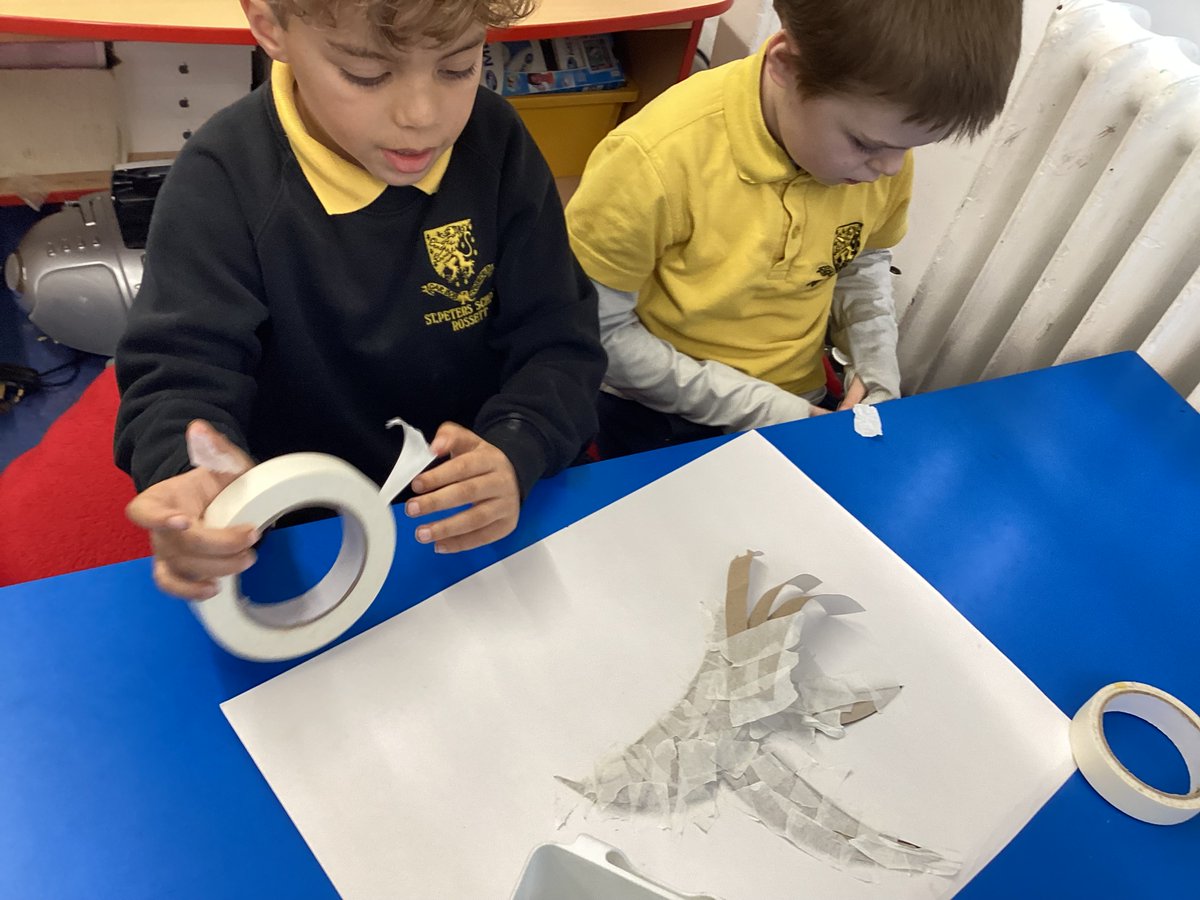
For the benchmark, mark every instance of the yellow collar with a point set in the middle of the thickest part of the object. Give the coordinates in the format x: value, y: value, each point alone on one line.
x: 340, y: 185
x: 758, y: 156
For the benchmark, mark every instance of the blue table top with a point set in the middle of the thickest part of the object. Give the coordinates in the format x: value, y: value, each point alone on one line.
x: 1058, y: 510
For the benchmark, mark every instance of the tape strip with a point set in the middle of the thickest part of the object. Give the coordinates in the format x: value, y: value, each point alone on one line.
x: 1115, y: 783
x: 278, y: 631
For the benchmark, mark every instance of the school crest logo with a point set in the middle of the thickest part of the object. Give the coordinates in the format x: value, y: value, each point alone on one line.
x: 847, y: 241
x: 455, y: 258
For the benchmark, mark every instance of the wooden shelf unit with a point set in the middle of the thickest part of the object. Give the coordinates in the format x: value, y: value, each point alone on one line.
x: 222, y: 22
x: 658, y: 39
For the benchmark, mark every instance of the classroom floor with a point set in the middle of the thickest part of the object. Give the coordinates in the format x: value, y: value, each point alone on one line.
x: 21, y: 343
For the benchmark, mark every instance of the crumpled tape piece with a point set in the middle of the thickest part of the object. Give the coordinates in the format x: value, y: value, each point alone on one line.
x: 848, y: 693
x: 818, y: 841
x: 732, y: 756
x: 775, y: 697
x: 203, y: 454
x: 893, y: 854
x: 866, y: 421
x: 758, y: 678
x: 772, y: 637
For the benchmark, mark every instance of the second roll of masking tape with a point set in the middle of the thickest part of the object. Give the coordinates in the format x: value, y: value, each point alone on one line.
x: 1111, y: 779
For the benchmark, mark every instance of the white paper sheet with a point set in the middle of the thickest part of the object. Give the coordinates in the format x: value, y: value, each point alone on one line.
x: 417, y: 760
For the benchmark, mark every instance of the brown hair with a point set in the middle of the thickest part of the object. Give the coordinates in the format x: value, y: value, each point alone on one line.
x: 949, y: 62
x: 400, y: 23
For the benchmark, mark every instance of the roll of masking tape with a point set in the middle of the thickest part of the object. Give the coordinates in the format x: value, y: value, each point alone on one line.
x: 1115, y: 783
x: 298, y: 481
x: 292, y: 628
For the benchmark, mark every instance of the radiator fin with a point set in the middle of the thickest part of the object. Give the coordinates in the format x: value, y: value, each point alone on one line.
x: 1081, y: 232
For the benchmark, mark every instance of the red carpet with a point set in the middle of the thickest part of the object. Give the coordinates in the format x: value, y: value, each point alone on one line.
x: 63, y: 502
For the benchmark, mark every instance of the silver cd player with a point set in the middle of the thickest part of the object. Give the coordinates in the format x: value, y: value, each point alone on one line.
x: 76, y: 272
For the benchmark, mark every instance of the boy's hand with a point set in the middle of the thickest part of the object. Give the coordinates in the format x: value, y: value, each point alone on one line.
x: 189, y: 557
x: 478, y: 474
x: 854, y: 394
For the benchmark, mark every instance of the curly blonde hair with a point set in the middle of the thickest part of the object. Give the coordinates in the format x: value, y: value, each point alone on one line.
x: 400, y: 23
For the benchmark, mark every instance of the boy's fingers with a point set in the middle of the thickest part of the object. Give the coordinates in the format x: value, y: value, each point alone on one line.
x: 192, y: 577
x: 461, y: 470
x: 478, y: 476
x: 449, y: 497
x: 198, y: 541
x: 468, y: 529
x: 206, y: 568
x: 471, y: 519
x: 452, y: 439
x: 151, y: 513
x: 175, y: 504
x: 170, y: 582
x: 855, y: 392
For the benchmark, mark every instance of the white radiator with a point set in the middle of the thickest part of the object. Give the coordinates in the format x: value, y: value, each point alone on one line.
x: 1081, y: 232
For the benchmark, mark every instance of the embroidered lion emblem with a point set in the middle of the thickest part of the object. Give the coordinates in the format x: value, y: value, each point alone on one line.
x: 847, y: 241
x: 452, y: 252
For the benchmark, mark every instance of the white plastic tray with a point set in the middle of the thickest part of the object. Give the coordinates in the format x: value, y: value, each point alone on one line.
x: 588, y: 869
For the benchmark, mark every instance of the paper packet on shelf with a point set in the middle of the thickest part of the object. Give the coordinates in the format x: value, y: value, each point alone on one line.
x: 557, y: 64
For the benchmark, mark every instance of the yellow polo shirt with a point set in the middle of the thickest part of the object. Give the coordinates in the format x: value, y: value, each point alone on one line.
x: 733, y: 250
x: 341, y: 186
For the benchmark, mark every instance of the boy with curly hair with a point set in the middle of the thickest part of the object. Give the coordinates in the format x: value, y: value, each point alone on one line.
x: 749, y: 211
x: 369, y: 235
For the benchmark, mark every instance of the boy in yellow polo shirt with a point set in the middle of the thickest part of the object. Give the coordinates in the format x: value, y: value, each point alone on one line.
x: 749, y: 211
